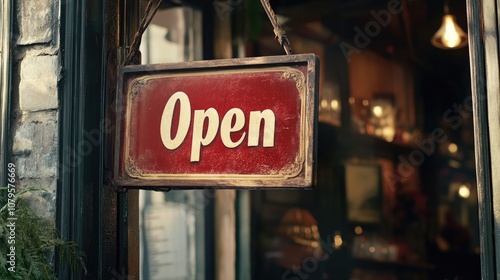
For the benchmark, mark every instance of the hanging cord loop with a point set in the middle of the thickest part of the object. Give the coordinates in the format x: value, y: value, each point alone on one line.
x: 278, y: 31
x: 146, y: 20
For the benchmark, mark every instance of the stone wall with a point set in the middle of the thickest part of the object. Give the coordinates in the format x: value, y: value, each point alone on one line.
x: 35, y: 102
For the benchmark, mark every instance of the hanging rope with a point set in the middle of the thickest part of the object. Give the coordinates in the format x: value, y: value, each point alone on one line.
x: 150, y: 12
x: 146, y: 20
x: 279, y: 33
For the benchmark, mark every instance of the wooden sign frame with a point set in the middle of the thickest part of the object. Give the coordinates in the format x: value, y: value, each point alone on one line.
x: 302, y: 70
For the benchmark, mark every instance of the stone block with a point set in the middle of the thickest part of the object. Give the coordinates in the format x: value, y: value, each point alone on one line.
x: 35, y: 21
x: 42, y: 161
x: 21, y: 146
x: 38, y: 85
x: 43, y: 202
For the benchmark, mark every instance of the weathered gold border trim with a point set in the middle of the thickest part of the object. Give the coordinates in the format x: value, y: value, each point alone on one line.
x: 288, y: 73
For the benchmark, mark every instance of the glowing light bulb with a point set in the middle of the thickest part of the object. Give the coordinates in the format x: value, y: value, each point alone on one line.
x: 464, y: 191
x: 449, y: 35
x: 450, y: 38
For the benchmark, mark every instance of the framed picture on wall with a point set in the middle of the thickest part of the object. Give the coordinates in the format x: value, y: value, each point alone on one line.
x: 363, y: 193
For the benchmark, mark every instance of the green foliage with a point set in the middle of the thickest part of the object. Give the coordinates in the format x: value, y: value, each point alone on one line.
x: 35, y: 241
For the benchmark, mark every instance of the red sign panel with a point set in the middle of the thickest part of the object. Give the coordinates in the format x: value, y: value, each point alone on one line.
x: 224, y: 123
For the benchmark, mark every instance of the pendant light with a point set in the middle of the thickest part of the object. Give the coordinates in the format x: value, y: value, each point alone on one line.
x: 450, y: 35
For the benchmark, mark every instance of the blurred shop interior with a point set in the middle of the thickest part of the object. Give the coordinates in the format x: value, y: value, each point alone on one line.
x: 396, y: 191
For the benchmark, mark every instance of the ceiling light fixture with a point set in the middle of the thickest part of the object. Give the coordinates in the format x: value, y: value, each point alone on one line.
x: 449, y: 35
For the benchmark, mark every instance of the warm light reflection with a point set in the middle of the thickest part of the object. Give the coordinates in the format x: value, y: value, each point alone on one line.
x: 464, y: 191
x: 307, y: 231
x: 358, y: 230
x: 334, y: 104
x: 337, y: 241
x: 454, y: 163
x: 452, y: 148
x: 324, y: 103
x: 389, y: 133
x: 377, y: 111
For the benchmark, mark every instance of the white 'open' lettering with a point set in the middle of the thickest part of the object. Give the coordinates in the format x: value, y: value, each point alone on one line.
x: 211, y: 116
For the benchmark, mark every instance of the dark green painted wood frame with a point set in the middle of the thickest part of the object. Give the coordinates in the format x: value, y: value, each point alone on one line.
x: 90, y: 211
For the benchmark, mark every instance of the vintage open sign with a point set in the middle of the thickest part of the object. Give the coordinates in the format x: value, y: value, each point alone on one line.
x: 223, y: 123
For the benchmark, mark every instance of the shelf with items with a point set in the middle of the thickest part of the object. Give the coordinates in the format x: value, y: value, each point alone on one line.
x: 376, y: 124
x: 370, y: 100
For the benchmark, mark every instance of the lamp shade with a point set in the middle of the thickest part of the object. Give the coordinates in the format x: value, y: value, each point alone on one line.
x: 449, y: 35
x: 300, y: 226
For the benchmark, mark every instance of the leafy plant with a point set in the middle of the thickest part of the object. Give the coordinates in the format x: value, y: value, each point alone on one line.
x: 35, y: 240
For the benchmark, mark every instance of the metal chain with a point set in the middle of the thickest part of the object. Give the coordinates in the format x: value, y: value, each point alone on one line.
x: 146, y: 20
x: 278, y: 31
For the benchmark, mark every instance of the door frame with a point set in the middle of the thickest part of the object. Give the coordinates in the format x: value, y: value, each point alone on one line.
x: 483, y: 22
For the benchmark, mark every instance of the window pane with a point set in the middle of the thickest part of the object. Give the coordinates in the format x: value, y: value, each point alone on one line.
x: 172, y: 224
x: 396, y: 195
